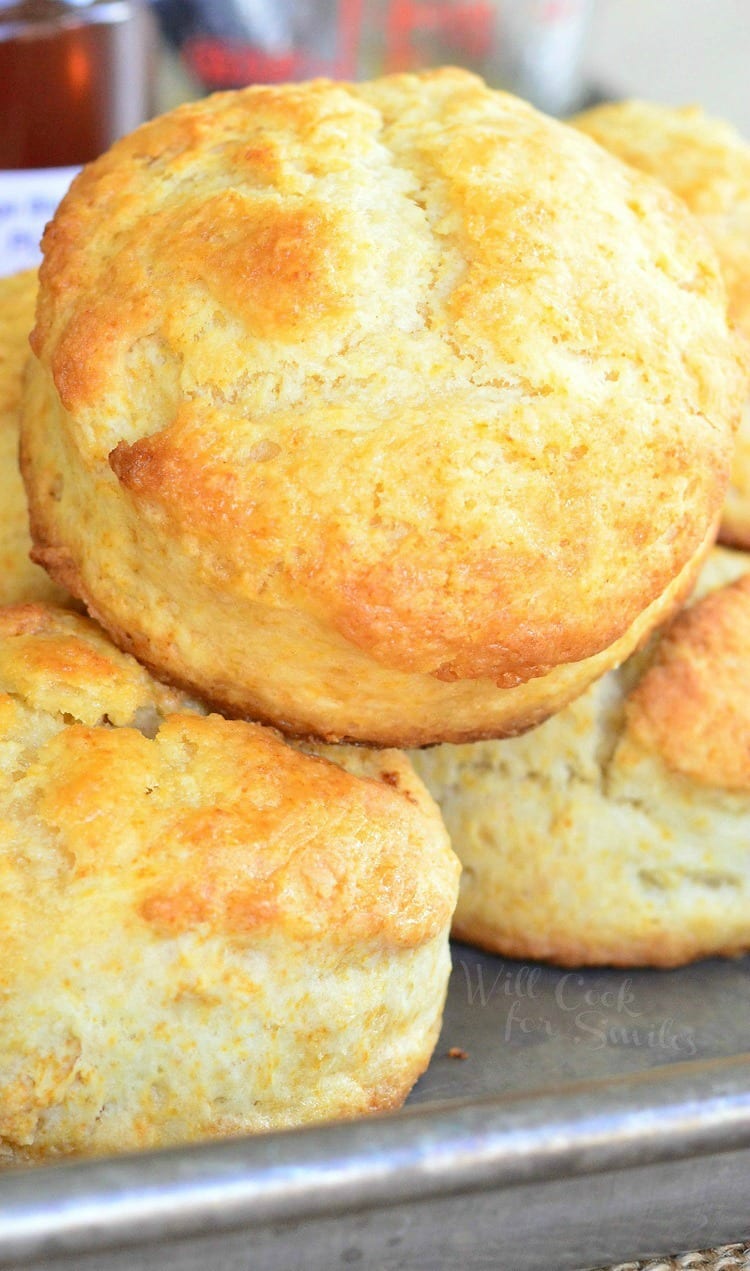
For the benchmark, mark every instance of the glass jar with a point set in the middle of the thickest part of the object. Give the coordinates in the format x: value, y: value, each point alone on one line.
x: 74, y: 76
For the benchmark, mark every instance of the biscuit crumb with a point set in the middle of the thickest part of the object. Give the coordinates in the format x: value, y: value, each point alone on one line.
x: 456, y: 1052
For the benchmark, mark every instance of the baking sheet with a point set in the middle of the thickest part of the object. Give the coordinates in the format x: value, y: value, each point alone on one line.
x: 597, y: 1115
x: 526, y: 1026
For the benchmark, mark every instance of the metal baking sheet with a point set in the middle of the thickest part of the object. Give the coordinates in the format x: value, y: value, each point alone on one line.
x: 596, y: 1116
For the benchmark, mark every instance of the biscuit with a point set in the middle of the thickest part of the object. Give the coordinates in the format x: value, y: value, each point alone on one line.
x: 707, y: 163
x: 205, y: 931
x: 391, y: 412
x: 20, y: 579
x: 617, y: 832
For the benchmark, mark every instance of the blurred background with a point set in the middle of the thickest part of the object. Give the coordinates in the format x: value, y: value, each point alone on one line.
x: 673, y: 51
x: 561, y: 52
x: 75, y: 74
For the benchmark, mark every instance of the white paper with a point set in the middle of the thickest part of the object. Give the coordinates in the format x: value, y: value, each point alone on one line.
x: 27, y: 201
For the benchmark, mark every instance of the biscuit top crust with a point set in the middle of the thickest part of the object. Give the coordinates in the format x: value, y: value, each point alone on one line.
x: 62, y: 664
x: 692, y: 706
x: 703, y: 160
x: 109, y: 779
x: 406, y: 356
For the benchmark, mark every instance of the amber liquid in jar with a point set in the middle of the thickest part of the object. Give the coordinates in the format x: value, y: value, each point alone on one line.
x: 73, y: 78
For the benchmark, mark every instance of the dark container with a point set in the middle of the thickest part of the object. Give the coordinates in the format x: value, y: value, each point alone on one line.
x: 73, y: 78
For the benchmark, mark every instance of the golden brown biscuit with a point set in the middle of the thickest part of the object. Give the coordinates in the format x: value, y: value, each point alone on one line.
x: 618, y: 831
x: 392, y: 412
x: 20, y: 579
x: 205, y: 931
x: 707, y: 163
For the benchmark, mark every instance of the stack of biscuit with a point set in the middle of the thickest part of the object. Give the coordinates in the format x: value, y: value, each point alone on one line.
x: 357, y: 417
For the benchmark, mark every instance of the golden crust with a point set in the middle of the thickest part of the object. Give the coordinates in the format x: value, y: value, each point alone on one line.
x: 61, y: 663
x: 306, y: 407
x: 204, y: 930
x: 703, y: 160
x: 692, y: 707
x: 19, y: 578
x: 707, y: 163
x: 617, y: 831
